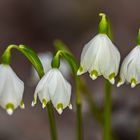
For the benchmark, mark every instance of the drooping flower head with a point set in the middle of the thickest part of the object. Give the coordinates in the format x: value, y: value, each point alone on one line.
x: 11, y: 89
x: 130, y: 68
x: 54, y: 87
x: 100, y: 56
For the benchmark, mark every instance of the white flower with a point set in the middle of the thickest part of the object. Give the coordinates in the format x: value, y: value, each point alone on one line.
x: 53, y: 87
x: 46, y: 59
x: 11, y: 89
x: 130, y: 69
x: 100, y: 57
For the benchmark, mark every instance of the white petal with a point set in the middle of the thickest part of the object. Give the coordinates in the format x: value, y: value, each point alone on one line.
x: 120, y: 83
x: 9, y: 111
x: 42, y: 88
x: 133, y: 85
x: 89, y: 53
x: 13, y: 87
x: 60, y: 110
x: 59, y: 89
x: 62, y: 93
x: 107, y: 58
x: 70, y: 106
x: 112, y: 81
x: 93, y: 76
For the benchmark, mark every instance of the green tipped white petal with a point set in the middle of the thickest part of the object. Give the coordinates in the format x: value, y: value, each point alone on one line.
x: 80, y: 70
x: 120, y: 83
x: 9, y: 111
x: 133, y: 82
x: 9, y: 108
x: 11, y: 88
x: 133, y: 85
x: 59, y: 108
x: 42, y: 90
x: 112, y: 78
x: 93, y: 74
x: 70, y: 106
x: 34, y: 102
x: 93, y: 77
x: 44, y: 103
x: 60, y: 111
x: 22, y: 105
x: 112, y: 81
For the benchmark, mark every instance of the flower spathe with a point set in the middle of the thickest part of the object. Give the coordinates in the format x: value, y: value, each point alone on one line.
x: 100, y: 57
x: 11, y: 89
x: 130, y: 68
x: 54, y: 87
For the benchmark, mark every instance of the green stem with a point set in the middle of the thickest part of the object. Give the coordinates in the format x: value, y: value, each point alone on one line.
x: 74, y: 66
x: 52, y: 121
x: 79, y: 111
x: 107, y: 111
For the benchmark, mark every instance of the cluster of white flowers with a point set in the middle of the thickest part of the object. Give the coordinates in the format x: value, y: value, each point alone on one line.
x: 52, y: 86
x: 101, y: 57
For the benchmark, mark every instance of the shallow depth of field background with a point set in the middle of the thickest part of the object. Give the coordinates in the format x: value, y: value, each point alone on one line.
x: 36, y: 23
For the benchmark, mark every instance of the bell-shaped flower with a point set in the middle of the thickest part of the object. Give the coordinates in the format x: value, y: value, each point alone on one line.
x: 100, y: 57
x: 130, y: 69
x: 11, y: 89
x: 46, y: 59
x: 53, y: 87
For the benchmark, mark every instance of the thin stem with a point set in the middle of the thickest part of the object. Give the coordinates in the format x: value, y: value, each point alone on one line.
x: 107, y: 111
x: 79, y: 111
x: 52, y: 121
x: 74, y: 66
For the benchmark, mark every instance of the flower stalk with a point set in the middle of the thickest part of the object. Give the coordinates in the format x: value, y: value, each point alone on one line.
x: 52, y: 121
x: 64, y: 53
x: 108, y: 87
x: 107, y: 111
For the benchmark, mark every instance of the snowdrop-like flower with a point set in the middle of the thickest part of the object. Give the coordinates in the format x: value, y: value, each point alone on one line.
x: 46, y: 59
x: 53, y: 87
x: 130, y: 69
x: 11, y: 89
x: 100, y: 57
